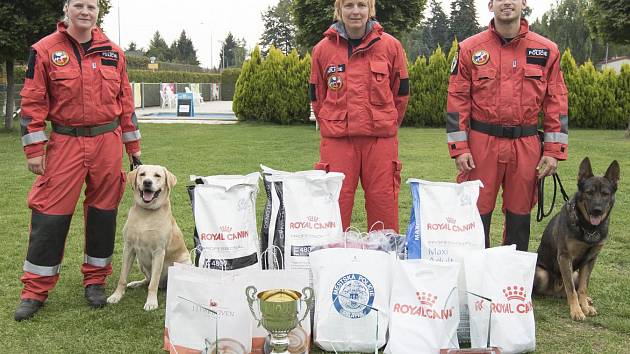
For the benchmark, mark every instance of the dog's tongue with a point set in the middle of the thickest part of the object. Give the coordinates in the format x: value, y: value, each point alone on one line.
x: 147, y: 196
x: 595, y: 220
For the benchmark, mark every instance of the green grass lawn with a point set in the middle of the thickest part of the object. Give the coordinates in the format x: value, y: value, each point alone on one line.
x: 67, y: 325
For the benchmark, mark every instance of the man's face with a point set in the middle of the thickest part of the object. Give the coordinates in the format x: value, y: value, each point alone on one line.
x: 507, y: 11
x: 354, y: 14
x: 82, y: 14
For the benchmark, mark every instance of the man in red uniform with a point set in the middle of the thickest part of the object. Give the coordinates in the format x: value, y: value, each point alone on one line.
x: 500, y: 80
x: 359, y: 92
x: 76, y: 79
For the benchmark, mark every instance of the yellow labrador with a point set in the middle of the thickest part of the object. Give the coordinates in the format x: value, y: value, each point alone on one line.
x: 150, y: 234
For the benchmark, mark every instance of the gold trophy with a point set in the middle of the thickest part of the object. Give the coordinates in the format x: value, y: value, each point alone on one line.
x: 279, y: 312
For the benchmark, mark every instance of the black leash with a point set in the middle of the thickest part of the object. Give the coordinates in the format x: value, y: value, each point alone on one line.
x: 135, y: 162
x: 541, y: 196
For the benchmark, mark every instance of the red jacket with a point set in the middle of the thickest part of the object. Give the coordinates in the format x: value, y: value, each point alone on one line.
x: 73, y: 87
x: 361, y: 91
x: 508, y: 84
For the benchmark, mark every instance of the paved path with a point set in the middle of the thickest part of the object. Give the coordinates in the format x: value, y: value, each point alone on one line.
x: 212, y: 112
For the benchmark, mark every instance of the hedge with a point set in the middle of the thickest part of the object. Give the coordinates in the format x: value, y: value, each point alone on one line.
x: 141, y: 63
x: 228, y: 82
x: 172, y: 76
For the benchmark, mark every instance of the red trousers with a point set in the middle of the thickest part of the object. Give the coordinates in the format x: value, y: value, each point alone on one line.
x: 375, y: 162
x: 511, y: 165
x: 72, y: 162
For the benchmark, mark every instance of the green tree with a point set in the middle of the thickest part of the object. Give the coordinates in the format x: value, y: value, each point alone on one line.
x: 279, y: 28
x: 463, y: 21
x: 23, y: 23
x: 158, y: 48
x: 437, y: 30
x: 417, y: 76
x: 273, y: 83
x: 313, y: 17
x: 247, y: 95
x: 233, y: 52
x: 296, y: 91
x: 185, y: 50
x: 623, y: 95
x: 415, y: 42
x: 610, y: 20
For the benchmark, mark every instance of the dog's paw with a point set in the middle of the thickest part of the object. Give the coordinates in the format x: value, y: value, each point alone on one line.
x: 589, y: 310
x: 577, y: 314
x: 137, y: 284
x: 114, y: 298
x: 150, y: 305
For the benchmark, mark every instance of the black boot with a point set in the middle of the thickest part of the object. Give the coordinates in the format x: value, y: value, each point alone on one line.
x: 517, y: 230
x: 486, y: 219
x: 27, y: 309
x: 95, y: 295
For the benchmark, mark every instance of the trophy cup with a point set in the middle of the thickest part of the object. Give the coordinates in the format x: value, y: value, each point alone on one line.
x: 279, y: 313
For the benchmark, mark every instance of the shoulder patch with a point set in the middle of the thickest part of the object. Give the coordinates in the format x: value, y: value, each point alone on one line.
x: 480, y: 57
x: 32, y: 59
x: 60, y: 58
x: 538, y: 56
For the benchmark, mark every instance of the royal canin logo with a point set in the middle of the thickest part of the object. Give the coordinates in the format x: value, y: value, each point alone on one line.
x: 450, y: 225
x: 312, y: 218
x: 225, y: 228
x: 515, y: 293
x: 426, y: 309
x: 426, y: 298
x: 312, y: 223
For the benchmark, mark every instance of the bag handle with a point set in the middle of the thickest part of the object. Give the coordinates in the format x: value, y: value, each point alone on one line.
x: 275, y: 258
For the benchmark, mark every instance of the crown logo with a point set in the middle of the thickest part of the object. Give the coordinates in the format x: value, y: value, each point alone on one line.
x: 312, y: 218
x: 450, y: 220
x: 426, y: 298
x: 515, y: 293
x: 226, y: 228
x: 212, y: 303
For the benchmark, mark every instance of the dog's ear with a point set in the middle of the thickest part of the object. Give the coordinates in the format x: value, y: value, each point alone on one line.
x: 131, y: 177
x: 612, y: 173
x: 171, y: 179
x: 585, y: 172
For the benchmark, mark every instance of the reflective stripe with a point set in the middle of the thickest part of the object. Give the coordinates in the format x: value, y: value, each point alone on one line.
x: 564, y: 124
x: 131, y: 136
x: 33, y: 138
x: 456, y: 136
x: 41, y: 270
x: 97, y: 262
x: 557, y: 138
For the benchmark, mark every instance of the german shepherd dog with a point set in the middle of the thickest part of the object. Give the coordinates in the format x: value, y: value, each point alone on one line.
x: 573, y: 239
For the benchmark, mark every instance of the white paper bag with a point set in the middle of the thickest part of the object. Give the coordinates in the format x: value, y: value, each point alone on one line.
x: 501, y: 280
x: 190, y: 326
x: 424, y: 307
x: 225, y: 219
x: 352, y: 289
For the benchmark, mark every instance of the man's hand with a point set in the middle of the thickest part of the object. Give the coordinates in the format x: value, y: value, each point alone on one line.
x: 547, y: 166
x: 464, y: 162
x: 37, y: 165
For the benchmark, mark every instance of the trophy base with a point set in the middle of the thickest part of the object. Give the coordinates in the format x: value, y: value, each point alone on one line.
x: 269, y: 350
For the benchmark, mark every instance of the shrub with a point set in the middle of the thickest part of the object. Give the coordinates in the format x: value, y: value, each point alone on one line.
x: 228, y: 81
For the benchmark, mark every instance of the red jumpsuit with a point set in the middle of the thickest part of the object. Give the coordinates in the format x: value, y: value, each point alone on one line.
x: 496, y: 91
x: 359, y: 95
x: 87, y: 97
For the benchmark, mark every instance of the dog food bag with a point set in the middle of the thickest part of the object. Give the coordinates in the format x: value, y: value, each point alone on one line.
x: 500, y: 281
x: 225, y: 219
x: 424, y: 307
x: 352, y: 290
x: 274, y: 214
x: 203, y: 306
x: 311, y: 214
x: 445, y: 225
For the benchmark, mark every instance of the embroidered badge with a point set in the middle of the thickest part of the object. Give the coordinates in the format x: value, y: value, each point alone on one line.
x: 334, y: 82
x: 480, y: 57
x: 60, y: 58
x: 110, y: 55
x: 537, y: 56
x: 336, y: 69
x: 454, y: 64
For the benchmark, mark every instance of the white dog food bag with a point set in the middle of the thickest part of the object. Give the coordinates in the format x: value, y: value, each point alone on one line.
x: 352, y: 290
x: 274, y: 213
x: 500, y: 282
x: 424, y: 307
x: 311, y: 214
x: 225, y: 220
x: 445, y: 225
x: 203, y: 306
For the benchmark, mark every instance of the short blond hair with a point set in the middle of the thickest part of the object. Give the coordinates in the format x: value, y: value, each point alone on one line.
x: 371, y: 9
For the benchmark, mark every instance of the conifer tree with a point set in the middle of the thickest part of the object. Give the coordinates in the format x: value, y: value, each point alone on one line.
x: 463, y: 20
x: 247, y: 95
x: 273, y: 83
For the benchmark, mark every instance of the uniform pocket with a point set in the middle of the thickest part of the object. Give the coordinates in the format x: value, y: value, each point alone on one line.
x: 397, y: 167
x: 110, y: 85
x: 121, y: 186
x: 65, y: 85
x: 380, y: 92
x: 534, y: 87
x: 483, y: 84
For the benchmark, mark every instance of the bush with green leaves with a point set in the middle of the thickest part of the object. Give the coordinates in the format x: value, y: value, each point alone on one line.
x: 228, y: 83
x: 246, y: 94
x: 172, y: 76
